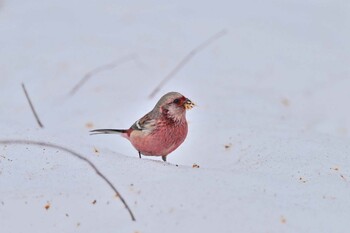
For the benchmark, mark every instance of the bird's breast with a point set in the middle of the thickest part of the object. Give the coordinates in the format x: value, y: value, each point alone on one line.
x: 161, y: 141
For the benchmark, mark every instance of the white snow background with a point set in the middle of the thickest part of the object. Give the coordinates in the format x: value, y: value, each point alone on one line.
x: 270, y: 133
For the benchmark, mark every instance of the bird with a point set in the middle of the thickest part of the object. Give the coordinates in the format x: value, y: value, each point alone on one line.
x: 160, y: 131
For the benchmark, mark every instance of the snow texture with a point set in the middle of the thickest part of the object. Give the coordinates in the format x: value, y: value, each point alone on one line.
x: 270, y: 133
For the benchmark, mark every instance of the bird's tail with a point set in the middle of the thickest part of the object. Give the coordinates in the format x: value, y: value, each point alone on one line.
x: 107, y: 131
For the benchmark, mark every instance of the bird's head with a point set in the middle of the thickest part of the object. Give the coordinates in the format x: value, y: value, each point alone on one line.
x: 174, y: 105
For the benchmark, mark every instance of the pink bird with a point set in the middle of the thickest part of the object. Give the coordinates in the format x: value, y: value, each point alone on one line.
x: 160, y: 131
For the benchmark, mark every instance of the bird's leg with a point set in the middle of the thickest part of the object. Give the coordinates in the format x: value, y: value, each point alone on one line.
x: 139, y: 154
x: 164, y: 158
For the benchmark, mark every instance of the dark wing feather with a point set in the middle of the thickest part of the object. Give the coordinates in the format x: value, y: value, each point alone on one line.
x: 107, y: 131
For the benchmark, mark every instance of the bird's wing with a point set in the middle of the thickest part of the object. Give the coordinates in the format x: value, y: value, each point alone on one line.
x: 146, y: 123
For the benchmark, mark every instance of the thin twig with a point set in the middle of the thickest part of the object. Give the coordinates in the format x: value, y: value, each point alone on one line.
x: 32, y: 107
x: 185, y: 60
x: 50, y: 145
x: 99, y: 69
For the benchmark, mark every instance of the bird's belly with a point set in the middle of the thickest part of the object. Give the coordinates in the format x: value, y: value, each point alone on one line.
x: 159, y: 143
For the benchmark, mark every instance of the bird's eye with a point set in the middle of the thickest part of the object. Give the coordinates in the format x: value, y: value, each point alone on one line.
x: 176, y: 101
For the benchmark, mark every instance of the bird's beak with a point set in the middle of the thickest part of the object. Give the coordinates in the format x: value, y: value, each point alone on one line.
x: 188, y: 104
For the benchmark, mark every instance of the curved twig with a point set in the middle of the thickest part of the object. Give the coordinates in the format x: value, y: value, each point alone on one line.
x: 99, y: 69
x: 77, y: 155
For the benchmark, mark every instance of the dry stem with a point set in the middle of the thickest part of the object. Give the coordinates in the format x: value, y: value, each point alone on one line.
x: 99, y: 69
x: 185, y: 60
x: 32, y: 107
x: 75, y: 154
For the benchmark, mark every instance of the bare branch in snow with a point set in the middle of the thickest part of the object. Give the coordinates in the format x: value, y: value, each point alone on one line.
x: 77, y: 155
x: 32, y: 107
x: 99, y: 69
x: 186, y: 59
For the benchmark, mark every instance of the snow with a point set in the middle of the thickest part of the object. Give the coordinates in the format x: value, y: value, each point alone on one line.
x: 270, y: 133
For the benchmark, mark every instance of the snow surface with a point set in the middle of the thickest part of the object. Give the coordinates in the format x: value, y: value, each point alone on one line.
x: 270, y: 134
